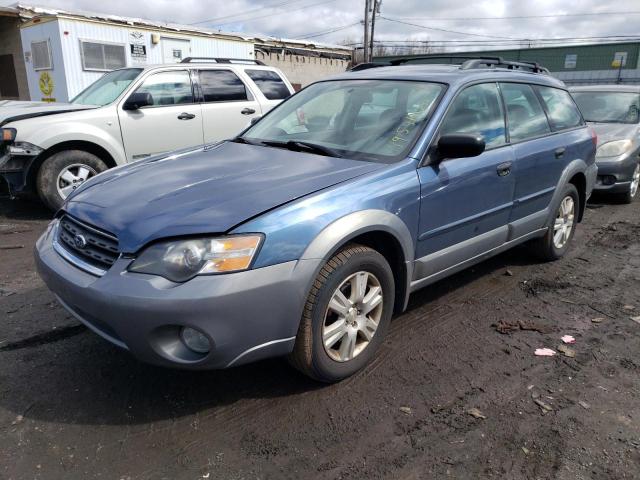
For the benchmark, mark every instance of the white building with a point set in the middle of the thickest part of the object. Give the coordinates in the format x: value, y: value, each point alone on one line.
x: 65, y: 51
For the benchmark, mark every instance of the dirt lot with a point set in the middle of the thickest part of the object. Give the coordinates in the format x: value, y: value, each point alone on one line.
x: 72, y: 406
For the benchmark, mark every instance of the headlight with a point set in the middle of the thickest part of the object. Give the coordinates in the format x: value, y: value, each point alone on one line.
x: 8, y: 134
x: 181, y: 260
x: 613, y: 149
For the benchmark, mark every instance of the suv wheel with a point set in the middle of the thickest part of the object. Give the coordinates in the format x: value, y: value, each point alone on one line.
x: 629, y: 196
x: 556, y: 241
x: 63, y: 172
x: 346, y: 315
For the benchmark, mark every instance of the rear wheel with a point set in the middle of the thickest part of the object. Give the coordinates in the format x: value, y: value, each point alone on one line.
x: 346, y: 315
x: 629, y: 196
x: 556, y: 241
x: 64, y: 172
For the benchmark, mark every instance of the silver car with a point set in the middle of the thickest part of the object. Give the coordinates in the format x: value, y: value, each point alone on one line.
x: 614, y: 113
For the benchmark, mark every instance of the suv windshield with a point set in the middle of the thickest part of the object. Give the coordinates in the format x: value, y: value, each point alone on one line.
x: 107, y: 88
x: 609, y: 107
x: 362, y: 119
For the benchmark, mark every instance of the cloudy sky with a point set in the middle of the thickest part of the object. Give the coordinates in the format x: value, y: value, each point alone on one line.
x: 446, y: 23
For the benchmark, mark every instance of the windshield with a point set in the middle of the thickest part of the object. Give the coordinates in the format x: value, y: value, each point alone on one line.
x: 609, y: 107
x: 107, y: 88
x: 363, y: 119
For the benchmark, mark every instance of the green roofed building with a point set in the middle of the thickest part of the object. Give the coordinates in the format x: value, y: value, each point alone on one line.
x: 574, y: 64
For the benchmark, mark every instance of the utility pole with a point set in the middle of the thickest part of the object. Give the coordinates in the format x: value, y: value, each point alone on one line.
x: 375, y: 11
x: 365, y: 43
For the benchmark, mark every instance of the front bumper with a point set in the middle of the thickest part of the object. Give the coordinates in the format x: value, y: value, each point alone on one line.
x: 247, y: 315
x: 616, y: 176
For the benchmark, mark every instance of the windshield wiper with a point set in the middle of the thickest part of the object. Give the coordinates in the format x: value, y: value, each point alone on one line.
x: 299, y: 145
x: 246, y: 140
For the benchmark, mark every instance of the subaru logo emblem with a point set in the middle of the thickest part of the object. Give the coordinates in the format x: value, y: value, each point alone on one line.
x: 79, y: 241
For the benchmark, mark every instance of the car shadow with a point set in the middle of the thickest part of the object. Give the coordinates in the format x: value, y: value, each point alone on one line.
x: 26, y: 208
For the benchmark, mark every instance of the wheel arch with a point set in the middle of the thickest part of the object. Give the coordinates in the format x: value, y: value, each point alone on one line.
x: 579, y: 180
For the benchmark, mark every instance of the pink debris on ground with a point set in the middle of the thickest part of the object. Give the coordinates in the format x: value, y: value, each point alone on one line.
x: 545, y: 352
x: 568, y: 339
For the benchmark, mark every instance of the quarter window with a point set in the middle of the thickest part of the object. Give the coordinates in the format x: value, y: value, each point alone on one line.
x: 477, y: 110
x: 525, y: 115
x: 222, y: 86
x: 168, y: 88
x: 561, y: 109
x: 269, y: 83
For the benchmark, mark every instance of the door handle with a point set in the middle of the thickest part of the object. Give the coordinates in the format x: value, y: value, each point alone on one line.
x: 559, y: 152
x: 186, y: 116
x: 504, y: 169
x: 248, y: 111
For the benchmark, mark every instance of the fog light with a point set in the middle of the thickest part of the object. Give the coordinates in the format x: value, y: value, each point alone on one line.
x: 195, y: 340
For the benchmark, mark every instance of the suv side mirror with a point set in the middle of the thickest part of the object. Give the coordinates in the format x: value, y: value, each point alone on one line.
x: 460, y: 145
x: 138, y: 100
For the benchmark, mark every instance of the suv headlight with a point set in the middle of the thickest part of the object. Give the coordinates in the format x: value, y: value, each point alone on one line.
x: 614, y: 148
x: 181, y: 260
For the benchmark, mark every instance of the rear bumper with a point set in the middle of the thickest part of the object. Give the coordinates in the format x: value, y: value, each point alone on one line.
x: 615, y: 177
x: 246, y: 315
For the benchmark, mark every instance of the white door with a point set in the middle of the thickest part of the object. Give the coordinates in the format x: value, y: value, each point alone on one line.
x: 228, y: 105
x: 173, y: 121
x: 174, y: 50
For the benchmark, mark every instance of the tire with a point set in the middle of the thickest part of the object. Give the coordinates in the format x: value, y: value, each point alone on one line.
x: 630, y: 195
x: 310, y: 354
x: 547, y: 248
x: 75, y: 162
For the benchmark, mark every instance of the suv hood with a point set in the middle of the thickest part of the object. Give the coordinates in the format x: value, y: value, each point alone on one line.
x: 12, y: 110
x: 203, y: 191
x: 608, y: 132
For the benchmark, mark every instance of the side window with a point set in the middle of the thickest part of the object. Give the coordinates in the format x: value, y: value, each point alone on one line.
x: 168, y: 88
x: 222, y: 86
x: 478, y: 110
x: 269, y: 83
x: 526, y: 118
x: 562, y: 110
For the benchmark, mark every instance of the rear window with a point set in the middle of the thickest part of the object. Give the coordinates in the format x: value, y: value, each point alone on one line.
x: 269, y: 83
x: 562, y: 110
x: 222, y: 86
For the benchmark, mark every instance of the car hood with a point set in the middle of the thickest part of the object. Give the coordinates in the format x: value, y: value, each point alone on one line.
x: 203, y: 191
x: 608, y: 132
x: 12, y: 110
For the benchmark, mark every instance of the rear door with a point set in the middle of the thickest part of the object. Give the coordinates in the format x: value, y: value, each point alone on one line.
x: 172, y: 122
x: 466, y: 202
x: 540, y: 156
x: 228, y: 104
x: 271, y: 86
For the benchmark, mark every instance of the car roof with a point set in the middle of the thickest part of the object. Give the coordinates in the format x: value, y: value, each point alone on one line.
x: 606, y: 88
x: 252, y: 66
x: 450, y: 74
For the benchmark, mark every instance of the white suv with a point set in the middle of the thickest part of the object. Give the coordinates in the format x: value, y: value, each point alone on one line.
x: 130, y: 114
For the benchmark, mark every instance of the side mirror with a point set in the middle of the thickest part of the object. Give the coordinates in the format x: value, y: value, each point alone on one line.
x: 254, y: 120
x: 460, y: 145
x: 138, y: 100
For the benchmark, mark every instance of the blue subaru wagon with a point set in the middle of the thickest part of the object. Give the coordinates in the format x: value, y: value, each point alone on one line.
x: 304, y: 234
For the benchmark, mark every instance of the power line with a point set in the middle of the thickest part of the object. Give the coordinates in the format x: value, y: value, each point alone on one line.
x: 515, y: 40
x: 443, y: 29
x: 327, y: 32
x: 558, y: 15
x: 239, y: 14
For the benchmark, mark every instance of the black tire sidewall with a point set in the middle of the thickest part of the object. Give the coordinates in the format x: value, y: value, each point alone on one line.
x: 51, y: 168
x: 568, y: 190
x: 371, y: 261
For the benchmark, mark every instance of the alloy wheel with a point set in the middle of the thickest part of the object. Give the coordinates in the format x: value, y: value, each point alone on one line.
x: 564, y: 222
x: 352, y: 316
x: 72, y: 177
x: 635, y: 182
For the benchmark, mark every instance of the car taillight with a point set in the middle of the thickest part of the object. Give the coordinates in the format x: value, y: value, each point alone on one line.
x: 594, y: 136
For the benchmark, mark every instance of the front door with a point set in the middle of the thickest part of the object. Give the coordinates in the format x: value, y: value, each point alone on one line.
x: 466, y: 202
x: 172, y: 122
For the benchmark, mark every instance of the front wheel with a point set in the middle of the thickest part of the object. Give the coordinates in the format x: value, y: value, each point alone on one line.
x: 346, y: 315
x: 64, y: 172
x: 556, y: 241
x: 630, y: 195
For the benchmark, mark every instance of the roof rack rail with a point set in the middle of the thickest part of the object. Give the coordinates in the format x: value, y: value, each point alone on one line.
x: 499, y: 62
x: 241, y: 61
x: 367, y: 66
x: 401, y: 61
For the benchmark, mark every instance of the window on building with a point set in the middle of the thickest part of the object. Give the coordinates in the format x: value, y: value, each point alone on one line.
x: 222, y: 86
x: 561, y: 109
x: 102, y: 56
x: 477, y: 110
x: 269, y: 83
x: 41, y: 54
x: 525, y: 116
x: 168, y: 88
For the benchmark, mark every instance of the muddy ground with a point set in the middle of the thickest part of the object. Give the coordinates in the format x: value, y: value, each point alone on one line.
x: 73, y: 407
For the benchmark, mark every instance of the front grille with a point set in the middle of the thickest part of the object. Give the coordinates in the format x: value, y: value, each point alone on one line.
x: 98, y: 249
